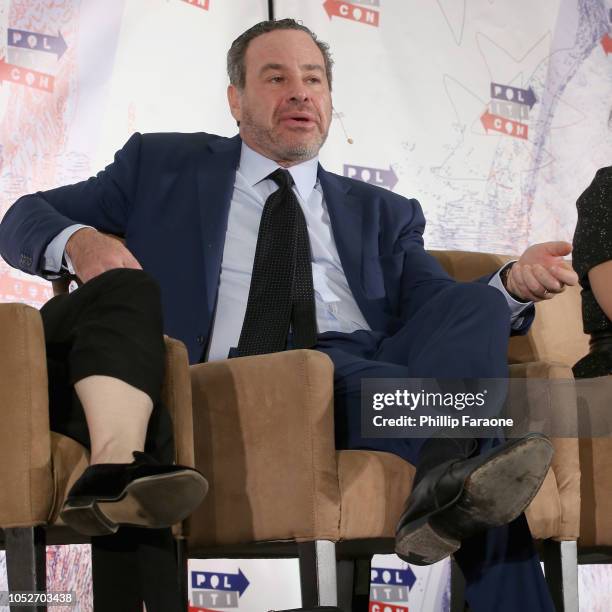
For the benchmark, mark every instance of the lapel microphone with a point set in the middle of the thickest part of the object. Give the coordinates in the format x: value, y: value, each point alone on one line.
x: 336, y: 114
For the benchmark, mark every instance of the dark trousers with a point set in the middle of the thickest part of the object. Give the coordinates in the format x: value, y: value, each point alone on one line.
x: 461, y: 333
x: 113, y: 326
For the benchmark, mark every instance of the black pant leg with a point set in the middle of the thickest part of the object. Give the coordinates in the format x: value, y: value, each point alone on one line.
x: 112, y: 326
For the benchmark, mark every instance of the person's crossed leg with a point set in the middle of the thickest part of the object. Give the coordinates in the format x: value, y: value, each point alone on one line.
x: 461, y: 334
x: 105, y: 354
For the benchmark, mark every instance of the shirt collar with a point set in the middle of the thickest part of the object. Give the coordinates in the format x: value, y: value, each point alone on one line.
x: 255, y: 167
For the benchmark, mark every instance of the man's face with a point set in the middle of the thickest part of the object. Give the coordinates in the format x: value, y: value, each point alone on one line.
x: 285, y: 107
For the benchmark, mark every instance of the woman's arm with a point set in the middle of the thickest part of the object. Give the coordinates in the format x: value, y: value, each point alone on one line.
x: 600, y: 279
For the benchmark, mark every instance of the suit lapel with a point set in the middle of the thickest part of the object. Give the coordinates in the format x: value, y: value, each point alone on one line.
x: 216, y: 174
x: 346, y: 216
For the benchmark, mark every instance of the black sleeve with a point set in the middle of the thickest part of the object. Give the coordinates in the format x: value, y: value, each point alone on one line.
x: 593, y: 235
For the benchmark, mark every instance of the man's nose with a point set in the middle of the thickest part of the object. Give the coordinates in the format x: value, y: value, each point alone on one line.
x: 299, y: 96
x: 296, y: 90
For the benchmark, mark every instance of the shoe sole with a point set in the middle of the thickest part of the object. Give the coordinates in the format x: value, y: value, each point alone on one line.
x: 494, y: 494
x: 154, y: 502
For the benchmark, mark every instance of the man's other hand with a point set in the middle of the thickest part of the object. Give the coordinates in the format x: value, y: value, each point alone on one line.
x: 541, y: 272
x: 93, y: 253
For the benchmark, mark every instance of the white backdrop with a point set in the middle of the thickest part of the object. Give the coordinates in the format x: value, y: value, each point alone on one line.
x: 128, y: 65
x: 494, y: 113
x: 413, y: 89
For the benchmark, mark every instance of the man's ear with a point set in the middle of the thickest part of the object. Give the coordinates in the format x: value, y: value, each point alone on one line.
x: 233, y: 97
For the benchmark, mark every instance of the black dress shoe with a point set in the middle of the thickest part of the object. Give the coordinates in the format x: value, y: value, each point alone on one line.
x: 144, y: 493
x: 463, y: 496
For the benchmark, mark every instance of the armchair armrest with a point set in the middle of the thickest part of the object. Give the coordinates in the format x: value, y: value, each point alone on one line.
x: 176, y: 396
x: 555, y: 511
x: 25, y: 442
x: 264, y: 438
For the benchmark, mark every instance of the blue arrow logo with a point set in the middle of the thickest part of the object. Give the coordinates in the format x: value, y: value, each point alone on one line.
x: 513, y: 94
x: 37, y: 42
x: 374, y: 176
x: 220, y: 582
x: 398, y: 577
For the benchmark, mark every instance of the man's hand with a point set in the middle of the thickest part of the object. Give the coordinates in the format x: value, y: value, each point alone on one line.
x: 93, y: 253
x: 541, y: 273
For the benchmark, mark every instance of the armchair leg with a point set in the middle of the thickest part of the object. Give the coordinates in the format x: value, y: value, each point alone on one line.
x: 26, y: 561
x: 354, y: 585
x: 182, y: 560
x: 561, y: 569
x: 318, y: 573
x: 457, y: 595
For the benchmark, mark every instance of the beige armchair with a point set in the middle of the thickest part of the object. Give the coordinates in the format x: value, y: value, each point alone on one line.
x: 263, y: 435
x: 38, y: 466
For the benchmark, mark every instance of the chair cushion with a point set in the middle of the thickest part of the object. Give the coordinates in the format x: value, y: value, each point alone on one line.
x: 596, y: 493
x: 373, y: 488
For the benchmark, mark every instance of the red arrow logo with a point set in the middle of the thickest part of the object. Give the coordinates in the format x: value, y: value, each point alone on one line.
x: 203, y: 4
x: 346, y: 10
x: 379, y: 606
x: 606, y: 43
x: 196, y: 609
x: 26, y: 77
x: 504, y: 126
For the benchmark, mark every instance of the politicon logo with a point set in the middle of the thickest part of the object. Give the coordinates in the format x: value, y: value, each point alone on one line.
x: 508, y: 110
x: 361, y: 11
x: 389, y: 589
x: 213, y: 590
x: 24, y: 41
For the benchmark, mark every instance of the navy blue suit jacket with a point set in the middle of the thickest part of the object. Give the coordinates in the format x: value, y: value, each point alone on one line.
x: 169, y: 195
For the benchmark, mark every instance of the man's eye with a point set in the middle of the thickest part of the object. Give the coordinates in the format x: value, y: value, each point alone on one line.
x: 314, y: 80
x: 276, y: 79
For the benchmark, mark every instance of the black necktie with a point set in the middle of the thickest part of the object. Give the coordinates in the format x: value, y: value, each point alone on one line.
x: 281, y: 292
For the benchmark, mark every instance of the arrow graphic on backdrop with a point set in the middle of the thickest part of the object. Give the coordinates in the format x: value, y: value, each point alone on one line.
x: 606, y: 43
x: 382, y: 606
x: 513, y: 94
x: 504, y: 126
x: 196, y: 609
x: 220, y: 582
x: 374, y: 176
x: 37, y: 42
x: 382, y: 575
x: 346, y: 10
x: 26, y: 77
x: 203, y: 4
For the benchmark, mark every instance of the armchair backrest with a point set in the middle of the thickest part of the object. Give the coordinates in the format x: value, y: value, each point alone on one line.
x: 556, y: 334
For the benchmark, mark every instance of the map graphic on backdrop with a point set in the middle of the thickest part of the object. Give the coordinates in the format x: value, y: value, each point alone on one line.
x: 79, y: 77
x: 40, y: 92
x: 494, y: 114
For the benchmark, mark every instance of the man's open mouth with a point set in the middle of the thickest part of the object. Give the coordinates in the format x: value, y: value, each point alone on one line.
x: 298, y: 121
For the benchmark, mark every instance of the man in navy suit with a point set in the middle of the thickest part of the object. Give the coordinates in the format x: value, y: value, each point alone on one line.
x: 189, y: 205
